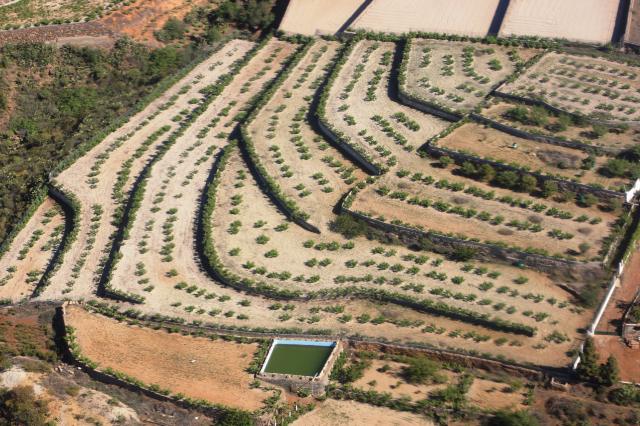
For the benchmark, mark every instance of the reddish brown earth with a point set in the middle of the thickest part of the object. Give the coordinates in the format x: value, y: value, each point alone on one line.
x: 623, y: 295
x: 137, y: 21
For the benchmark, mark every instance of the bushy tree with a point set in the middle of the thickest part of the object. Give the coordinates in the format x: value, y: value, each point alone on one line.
x: 609, y: 373
x: 421, y: 370
x: 588, y: 368
x: 507, y: 179
x: 173, y: 29
x: 549, y: 188
x: 19, y: 406
x: 512, y: 418
x: 528, y: 183
x: 348, y: 226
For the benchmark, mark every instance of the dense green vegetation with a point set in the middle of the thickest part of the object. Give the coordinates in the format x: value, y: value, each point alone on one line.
x: 59, y: 98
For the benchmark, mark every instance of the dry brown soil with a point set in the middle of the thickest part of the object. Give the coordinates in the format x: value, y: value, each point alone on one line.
x: 339, y: 413
x: 196, y: 367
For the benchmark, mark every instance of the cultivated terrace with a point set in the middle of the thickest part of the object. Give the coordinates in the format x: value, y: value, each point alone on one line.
x: 464, y: 196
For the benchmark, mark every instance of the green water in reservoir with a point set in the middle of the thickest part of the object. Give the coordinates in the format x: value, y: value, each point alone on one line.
x: 300, y: 360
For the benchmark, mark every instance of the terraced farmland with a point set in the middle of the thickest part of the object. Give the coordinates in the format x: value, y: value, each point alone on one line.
x: 456, y: 76
x: 594, y: 87
x: 282, y: 187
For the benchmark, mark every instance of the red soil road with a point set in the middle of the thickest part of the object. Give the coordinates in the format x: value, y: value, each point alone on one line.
x: 622, y: 296
x: 628, y: 359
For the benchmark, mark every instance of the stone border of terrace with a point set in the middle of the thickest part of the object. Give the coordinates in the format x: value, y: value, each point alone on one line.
x: 410, y: 236
x: 430, y: 148
x: 535, y: 101
x: 295, y: 383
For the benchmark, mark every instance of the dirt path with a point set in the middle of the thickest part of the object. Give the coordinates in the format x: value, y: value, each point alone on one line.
x: 622, y: 296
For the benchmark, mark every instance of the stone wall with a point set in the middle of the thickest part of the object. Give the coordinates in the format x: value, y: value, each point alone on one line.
x: 487, y: 252
x: 563, y: 185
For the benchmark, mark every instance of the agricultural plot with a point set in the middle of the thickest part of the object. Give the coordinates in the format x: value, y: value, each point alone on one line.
x: 360, y: 111
x: 465, y: 17
x: 101, y: 180
x: 308, y: 170
x: 464, y: 210
x: 23, y: 265
x: 256, y: 247
x: 195, y: 367
x: 455, y: 76
x: 539, y: 121
x: 176, y: 219
x: 159, y: 251
x: 387, y: 375
x: 589, y: 21
x: 545, y: 159
x: 594, y: 87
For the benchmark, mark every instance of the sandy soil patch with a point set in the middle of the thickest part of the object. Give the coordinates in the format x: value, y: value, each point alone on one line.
x: 547, y: 159
x: 337, y: 413
x: 314, y: 17
x: 464, y: 17
x: 590, y: 21
x: 196, y: 367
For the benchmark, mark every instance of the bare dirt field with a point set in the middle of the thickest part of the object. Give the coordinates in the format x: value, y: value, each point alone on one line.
x: 627, y: 358
x: 525, y: 154
x: 196, y: 367
x: 466, y: 17
x: 143, y: 17
x: 590, y: 21
x: 338, y: 413
x: 316, y: 17
x: 594, y: 87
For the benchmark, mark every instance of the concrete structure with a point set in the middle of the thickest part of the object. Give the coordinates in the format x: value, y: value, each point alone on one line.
x: 314, y: 384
